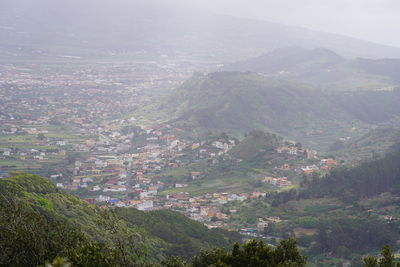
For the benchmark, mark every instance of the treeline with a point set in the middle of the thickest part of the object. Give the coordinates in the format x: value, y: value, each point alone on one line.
x: 353, y: 183
x: 344, y: 234
x: 387, y: 259
x: 350, y: 184
x: 252, y: 254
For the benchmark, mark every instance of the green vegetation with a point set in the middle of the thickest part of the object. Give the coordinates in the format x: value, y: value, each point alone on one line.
x: 257, y: 144
x: 185, y: 236
x: 240, y: 102
x: 252, y: 254
x: 353, y: 183
x: 373, y: 144
x: 387, y: 259
x: 40, y: 223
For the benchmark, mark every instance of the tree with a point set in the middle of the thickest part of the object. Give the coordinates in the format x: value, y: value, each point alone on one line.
x: 370, y: 261
x: 41, y: 136
x: 175, y: 261
x: 387, y: 259
x: 252, y: 254
x: 92, y: 254
x: 59, y: 262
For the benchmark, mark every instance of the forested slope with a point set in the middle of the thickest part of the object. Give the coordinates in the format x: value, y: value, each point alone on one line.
x: 38, y: 223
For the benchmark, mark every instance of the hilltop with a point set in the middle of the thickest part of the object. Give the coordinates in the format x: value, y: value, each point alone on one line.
x: 239, y: 102
x: 255, y: 145
x: 242, y: 102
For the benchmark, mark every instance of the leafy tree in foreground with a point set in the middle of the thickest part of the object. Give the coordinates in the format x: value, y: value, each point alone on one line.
x: 252, y: 254
x: 59, y: 262
x: 387, y: 259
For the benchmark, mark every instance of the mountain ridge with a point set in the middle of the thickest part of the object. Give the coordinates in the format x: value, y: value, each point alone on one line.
x: 170, y: 29
x: 324, y: 69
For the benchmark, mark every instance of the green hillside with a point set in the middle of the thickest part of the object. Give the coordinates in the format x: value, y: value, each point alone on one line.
x: 372, y: 107
x: 375, y: 143
x: 257, y: 144
x: 183, y: 235
x: 368, y: 179
x: 39, y: 223
x: 241, y: 102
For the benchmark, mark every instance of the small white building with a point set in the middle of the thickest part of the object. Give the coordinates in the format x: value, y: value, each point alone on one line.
x: 146, y: 205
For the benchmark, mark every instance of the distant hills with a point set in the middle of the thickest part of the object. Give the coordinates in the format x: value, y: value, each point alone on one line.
x: 239, y: 102
x: 245, y: 101
x: 324, y: 69
x: 92, y: 29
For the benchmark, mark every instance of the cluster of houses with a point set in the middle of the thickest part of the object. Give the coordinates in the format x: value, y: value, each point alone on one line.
x: 127, y: 179
x: 292, y: 149
x: 324, y: 165
x: 279, y: 182
x: 206, y: 208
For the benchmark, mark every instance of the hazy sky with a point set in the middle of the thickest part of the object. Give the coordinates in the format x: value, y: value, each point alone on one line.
x: 374, y: 20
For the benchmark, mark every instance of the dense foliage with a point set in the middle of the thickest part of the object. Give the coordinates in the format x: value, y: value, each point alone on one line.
x: 344, y: 236
x: 184, y: 236
x: 252, y: 254
x: 352, y: 183
x: 387, y: 259
x: 255, y: 145
x: 38, y: 223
